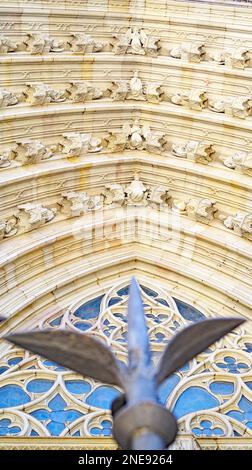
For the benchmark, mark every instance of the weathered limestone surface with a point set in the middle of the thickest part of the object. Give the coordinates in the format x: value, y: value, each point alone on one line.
x: 125, y: 148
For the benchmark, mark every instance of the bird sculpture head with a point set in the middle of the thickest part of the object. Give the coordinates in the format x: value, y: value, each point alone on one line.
x: 140, y: 422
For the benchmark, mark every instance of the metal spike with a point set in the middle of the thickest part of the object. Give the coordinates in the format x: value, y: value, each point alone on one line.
x: 138, y: 342
x: 81, y: 353
x: 192, y: 341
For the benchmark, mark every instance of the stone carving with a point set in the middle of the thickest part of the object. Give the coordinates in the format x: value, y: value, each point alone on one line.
x: 241, y: 161
x: 84, y: 44
x: 75, y: 144
x: 136, y: 41
x: 28, y: 151
x: 158, y: 196
x: 238, y: 58
x: 154, y: 141
x: 179, y: 206
x: 115, y: 141
x: 8, y: 228
x: 239, y: 106
x: 38, y: 93
x: 189, y: 51
x: 7, y: 45
x: 135, y: 90
x: 202, y: 211
x: 240, y: 224
x: 42, y: 44
x: 7, y: 98
x: 32, y: 215
x: 153, y: 92
x: 200, y: 152
x: 137, y: 193
x: 114, y: 194
x: 5, y: 159
x: 217, y: 106
x: 195, y: 99
x: 74, y: 204
x: 135, y: 137
x: 79, y: 92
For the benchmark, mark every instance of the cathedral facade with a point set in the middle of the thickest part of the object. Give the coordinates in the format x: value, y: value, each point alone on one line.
x: 125, y: 150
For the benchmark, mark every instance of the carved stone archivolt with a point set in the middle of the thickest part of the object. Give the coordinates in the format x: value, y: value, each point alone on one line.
x: 134, y: 89
x: 136, y: 41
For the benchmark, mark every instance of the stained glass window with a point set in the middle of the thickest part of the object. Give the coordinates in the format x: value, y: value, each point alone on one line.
x: 210, y: 396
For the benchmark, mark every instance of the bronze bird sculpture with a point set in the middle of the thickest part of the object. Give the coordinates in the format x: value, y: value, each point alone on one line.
x: 139, y: 420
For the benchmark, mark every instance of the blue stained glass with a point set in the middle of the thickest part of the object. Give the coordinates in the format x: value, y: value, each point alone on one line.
x: 102, y: 397
x: 114, y: 301
x: 54, y: 365
x: 163, y: 302
x: 245, y: 405
x: 55, y: 428
x: 39, y: 385
x: 225, y: 388
x: 248, y: 347
x: 83, y: 326
x: 194, y: 399
x: 188, y: 312
x: 14, y: 360
x: 34, y: 433
x: 90, y: 309
x: 166, y: 388
x: 56, y: 321
x: 105, y: 430
x: 121, y: 316
x: 57, y: 403
x: 232, y: 366
x: 249, y: 385
x: 41, y: 415
x: 3, y: 369
x: 12, y: 395
x: 207, y: 429
x: 76, y: 434
x: 149, y: 291
x: 123, y: 291
x: 5, y: 431
x: 5, y: 422
x: 77, y: 387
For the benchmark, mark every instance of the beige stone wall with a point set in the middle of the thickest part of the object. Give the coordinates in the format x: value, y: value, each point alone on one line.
x: 197, y: 150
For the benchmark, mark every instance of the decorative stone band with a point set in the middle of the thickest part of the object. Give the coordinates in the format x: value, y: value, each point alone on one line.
x: 132, y: 136
x: 196, y: 99
x: 33, y: 215
x: 134, y: 41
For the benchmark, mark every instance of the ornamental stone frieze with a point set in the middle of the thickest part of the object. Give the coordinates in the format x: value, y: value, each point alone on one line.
x: 39, y: 94
x: 42, y: 44
x: 80, y: 92
x: 74, y: 204
x: 74, y: 144
x: 189, y: 51
x: 133, y: 136
x: 25, y: 218
x: 200, y: 152
x: 241, y: 224
x: 240, y: 161
x: 134, y: 89
x: 136, y: 41
x: 30, y: 216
